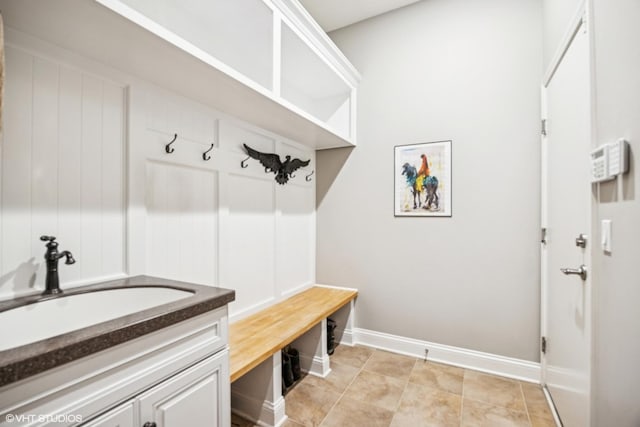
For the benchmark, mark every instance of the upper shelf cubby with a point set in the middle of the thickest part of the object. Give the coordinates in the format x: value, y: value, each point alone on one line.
x: 308, y: 82
x: 238, y: 33
x: 263, y: 61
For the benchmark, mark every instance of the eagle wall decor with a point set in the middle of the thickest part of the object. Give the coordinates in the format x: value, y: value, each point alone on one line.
x: 272, y: 163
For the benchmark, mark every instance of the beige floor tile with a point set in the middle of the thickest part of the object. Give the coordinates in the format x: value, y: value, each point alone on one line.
x: 375, y: 389
x: 437, y: 375
x: 494, y: 390
x: 427, y: 406
x: 308, y: 405
x: 291, y: 423
x: 355, y: 356
x: 339, y: 378
x: 353, y: 413
x: 390, y: 364
x: 542, y: 422
x: 536, y: 402
x: 480, y: 414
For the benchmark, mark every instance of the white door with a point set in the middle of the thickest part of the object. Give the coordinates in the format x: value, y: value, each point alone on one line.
x: 566, y: 205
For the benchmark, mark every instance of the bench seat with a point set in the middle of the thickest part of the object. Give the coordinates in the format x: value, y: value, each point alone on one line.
x: 255, y: 338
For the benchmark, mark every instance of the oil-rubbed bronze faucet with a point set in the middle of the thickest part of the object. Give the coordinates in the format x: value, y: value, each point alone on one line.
x: 52, y: 256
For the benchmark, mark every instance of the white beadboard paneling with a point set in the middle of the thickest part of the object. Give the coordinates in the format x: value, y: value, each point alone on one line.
x: 91, y: 262
x: 112, y: 157
x: 69, y: 159
x: 62, y: 172
x: 44, y: 156
x: 251, y: 234
x: 18, y: 265
x: 182, y: 227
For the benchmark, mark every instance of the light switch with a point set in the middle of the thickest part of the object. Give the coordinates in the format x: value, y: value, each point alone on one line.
x: 605, y: 235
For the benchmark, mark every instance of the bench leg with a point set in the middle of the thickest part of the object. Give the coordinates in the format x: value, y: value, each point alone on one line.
x: 345, y: 319
x: 258, y: 394
x: 313, y: 350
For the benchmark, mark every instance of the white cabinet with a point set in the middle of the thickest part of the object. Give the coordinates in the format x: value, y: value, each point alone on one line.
x: 197, y: 396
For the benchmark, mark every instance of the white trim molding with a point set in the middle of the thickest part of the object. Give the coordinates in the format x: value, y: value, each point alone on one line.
x: 263, y: 413
x: 315, y: 365
x: 485, y: 362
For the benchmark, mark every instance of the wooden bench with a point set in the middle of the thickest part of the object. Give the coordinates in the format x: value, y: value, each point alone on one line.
x: 254, y: 339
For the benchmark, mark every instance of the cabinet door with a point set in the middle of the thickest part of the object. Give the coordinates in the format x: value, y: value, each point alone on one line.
x: 120, y: 416
x: 199, y: 396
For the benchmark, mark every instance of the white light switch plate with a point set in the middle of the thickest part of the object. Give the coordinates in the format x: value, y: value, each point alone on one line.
x: 605, y: 235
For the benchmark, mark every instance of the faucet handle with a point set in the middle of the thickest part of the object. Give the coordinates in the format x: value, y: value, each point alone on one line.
x: 69, y: 258
x: 47, y: 238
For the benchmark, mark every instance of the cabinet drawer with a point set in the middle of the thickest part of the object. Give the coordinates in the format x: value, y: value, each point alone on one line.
x: 120, y: 416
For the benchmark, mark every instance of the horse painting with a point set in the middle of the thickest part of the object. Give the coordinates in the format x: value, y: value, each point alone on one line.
x: 419, y: 181
x: 422, y: 172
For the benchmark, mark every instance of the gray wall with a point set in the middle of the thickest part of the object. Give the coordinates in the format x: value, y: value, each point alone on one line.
x: 616, y: 340
x: 435, y: 70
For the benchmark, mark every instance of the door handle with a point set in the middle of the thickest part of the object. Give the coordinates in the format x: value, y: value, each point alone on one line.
x: 580, y: 271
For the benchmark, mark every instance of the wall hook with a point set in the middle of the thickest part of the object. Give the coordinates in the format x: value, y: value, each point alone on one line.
x: 204, y: 155
x: 308, y: 177
x: 168, y: 147
x: 243, y: 163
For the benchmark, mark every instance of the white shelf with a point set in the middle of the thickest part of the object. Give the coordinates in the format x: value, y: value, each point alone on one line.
x: 308, y: 81
x: 238, y: 33
x: 229, y: 67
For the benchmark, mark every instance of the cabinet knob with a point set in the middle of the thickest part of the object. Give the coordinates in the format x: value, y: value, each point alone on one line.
x: 149, y: 424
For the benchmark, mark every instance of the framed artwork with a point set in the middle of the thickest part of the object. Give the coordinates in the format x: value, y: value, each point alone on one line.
x: 423, y: 179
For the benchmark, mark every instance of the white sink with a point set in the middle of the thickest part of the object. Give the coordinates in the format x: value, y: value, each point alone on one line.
x: 49, y: 318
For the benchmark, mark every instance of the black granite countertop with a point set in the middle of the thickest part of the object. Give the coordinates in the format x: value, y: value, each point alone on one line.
x: 30, y: 359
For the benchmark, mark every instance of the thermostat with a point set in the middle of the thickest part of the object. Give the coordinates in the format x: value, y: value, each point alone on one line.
x: 609, y: 161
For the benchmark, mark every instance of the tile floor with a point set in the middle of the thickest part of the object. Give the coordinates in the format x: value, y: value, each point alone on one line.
x: 374, y: 388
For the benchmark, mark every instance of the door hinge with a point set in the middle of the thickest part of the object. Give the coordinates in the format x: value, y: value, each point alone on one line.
x: 543, y: 127
x: 543, y: 345
x: 543, y: 235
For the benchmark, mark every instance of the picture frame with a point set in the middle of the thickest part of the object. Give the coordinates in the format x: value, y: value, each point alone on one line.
x: 422, y: 179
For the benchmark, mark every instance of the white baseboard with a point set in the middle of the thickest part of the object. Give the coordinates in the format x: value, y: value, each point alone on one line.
x: 490, y: 363
x: 261, y: 412
x: 315, y: 365
x: 346, y: 336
